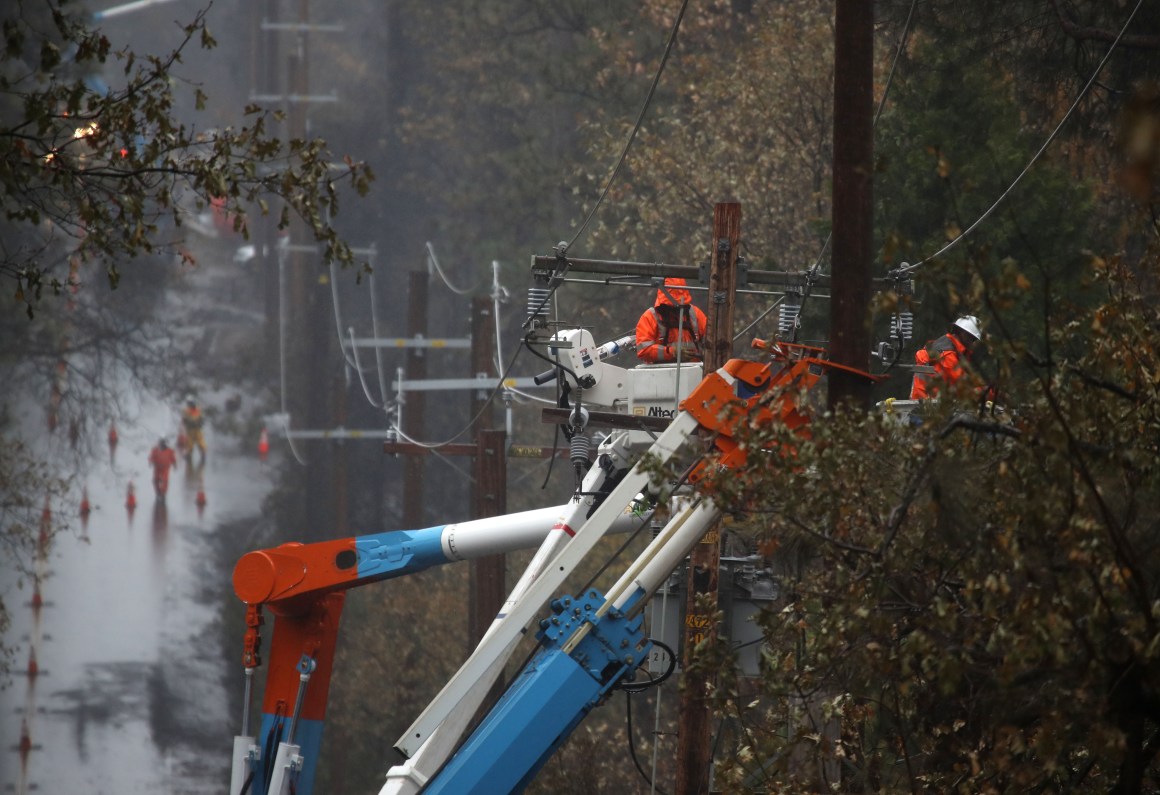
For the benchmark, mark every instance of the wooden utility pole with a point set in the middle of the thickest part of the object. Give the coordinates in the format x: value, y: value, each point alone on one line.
x: 694, y: 747
x: 309, y: 358
x: 853, y: 203
x: 266, y: 81
x: 489, y: 498
x: 415, y: 411
x: 487, y: 587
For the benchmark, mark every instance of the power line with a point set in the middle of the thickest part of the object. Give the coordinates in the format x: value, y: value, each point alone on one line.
x: 636, y: 127
x: 909, y: 268
x: 443, y: 276
x: 486, y: 404
x: 881, y: 104
x: 282, y: 355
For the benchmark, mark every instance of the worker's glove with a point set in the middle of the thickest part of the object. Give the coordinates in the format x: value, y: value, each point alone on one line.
x: 688, y: 350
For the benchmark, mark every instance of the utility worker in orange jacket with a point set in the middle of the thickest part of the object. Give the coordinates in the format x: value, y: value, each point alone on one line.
x: 162, y: 458
x: 192, y: 421
x: 946, y: 355
x: 672, y: 329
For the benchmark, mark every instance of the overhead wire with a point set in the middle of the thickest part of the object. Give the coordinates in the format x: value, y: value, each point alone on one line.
x: 909, y: 268
x: 894, y: 63
x: 434, y: 448
x: 813, y: 271
x: 881, y: 104
x: 636, y: 127
x: 498, y: 294
x: 338, y: 319
x: 443, y: 276
x: 378, y: 349
x: 285, y: 416
x: 352, y: 359
x: 358, y: 369
x: 470, y: 423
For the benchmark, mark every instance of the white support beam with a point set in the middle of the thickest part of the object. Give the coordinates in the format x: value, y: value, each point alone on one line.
x: 441, y: 384
x: 408, y: 342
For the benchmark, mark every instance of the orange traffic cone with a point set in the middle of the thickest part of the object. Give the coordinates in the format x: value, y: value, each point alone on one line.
x: 86, y: 509
x: 45, y: 530
x: 131, y: 498
x: 25, y: 742
x: 263, y: 445
x: 113, y: 438
x: 200, y: 499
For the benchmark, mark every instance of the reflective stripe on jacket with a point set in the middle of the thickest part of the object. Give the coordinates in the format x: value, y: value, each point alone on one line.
x: 654, y: 339
x: 946, y: 356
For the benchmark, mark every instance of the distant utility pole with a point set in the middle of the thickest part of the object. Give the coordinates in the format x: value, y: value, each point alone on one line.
x: 852, y: 207
x: 694, y: 747
x: 415, y: 411
x: 488, y: 581
x: 266, y: 80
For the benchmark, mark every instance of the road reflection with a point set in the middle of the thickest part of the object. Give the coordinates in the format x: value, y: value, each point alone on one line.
x: 118, y: 680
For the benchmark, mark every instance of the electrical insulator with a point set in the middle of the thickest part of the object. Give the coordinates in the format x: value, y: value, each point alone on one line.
x: 578, y: 450
x: 788, y: 312
x: 538, y: 298
x: 902, y: 325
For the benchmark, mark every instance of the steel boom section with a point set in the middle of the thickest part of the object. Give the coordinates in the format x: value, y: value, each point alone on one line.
x: 524, y: 611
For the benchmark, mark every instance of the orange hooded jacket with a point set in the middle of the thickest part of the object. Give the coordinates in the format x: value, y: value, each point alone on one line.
x: 655, y: 339
x: 946, y: 355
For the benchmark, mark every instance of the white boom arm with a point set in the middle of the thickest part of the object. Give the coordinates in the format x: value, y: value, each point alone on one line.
x: 496, y: 645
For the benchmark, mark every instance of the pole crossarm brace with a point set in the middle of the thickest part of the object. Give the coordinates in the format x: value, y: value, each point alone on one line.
x: 548, y: 265
x: 300, y: 27
x: 608, y: 419
x: 408, y: 342
x: 440, y: 384
x: 342, y: 433
x: 294, y: 99
x: 314, y: 248
x: 515, y: 451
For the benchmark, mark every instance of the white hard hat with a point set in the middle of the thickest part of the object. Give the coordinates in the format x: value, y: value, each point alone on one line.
x: 969, y: 324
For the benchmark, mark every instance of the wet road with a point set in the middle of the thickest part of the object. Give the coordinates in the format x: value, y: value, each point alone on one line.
x: 128, y: 695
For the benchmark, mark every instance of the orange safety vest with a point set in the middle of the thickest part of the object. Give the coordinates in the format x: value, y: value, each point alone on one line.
x: 653, y: 336
x: 162, y: 460
x: 946, y: 355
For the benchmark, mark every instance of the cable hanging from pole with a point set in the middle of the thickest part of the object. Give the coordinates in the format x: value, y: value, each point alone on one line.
x: 636, y: 127
x: 909, y: 268
x: 378, y: 349
x: 814, y: 270
x: 486, y: 404
x: 282, y: 355
x: 443, y: 276
x: 878, y: 112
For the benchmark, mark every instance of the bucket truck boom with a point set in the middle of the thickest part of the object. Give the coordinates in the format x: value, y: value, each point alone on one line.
x: 590, y: 643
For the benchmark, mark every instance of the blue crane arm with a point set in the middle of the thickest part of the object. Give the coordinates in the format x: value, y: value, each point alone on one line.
x: 582, y: 656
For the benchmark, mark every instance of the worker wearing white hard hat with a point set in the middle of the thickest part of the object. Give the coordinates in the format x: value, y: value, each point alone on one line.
x: 942, y: 360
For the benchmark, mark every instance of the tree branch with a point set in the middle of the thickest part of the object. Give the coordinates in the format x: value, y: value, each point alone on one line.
x: 1088, y: 33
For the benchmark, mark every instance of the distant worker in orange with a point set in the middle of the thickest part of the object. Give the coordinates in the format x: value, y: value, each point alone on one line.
x: 192, y: 421
x: 162, y: 459
x: 672, y: 329
x: 948, y: 355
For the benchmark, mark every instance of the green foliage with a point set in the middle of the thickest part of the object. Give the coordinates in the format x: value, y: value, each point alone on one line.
x: 103, y: 177
x: 743, y: 113
x: 979, y: 609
